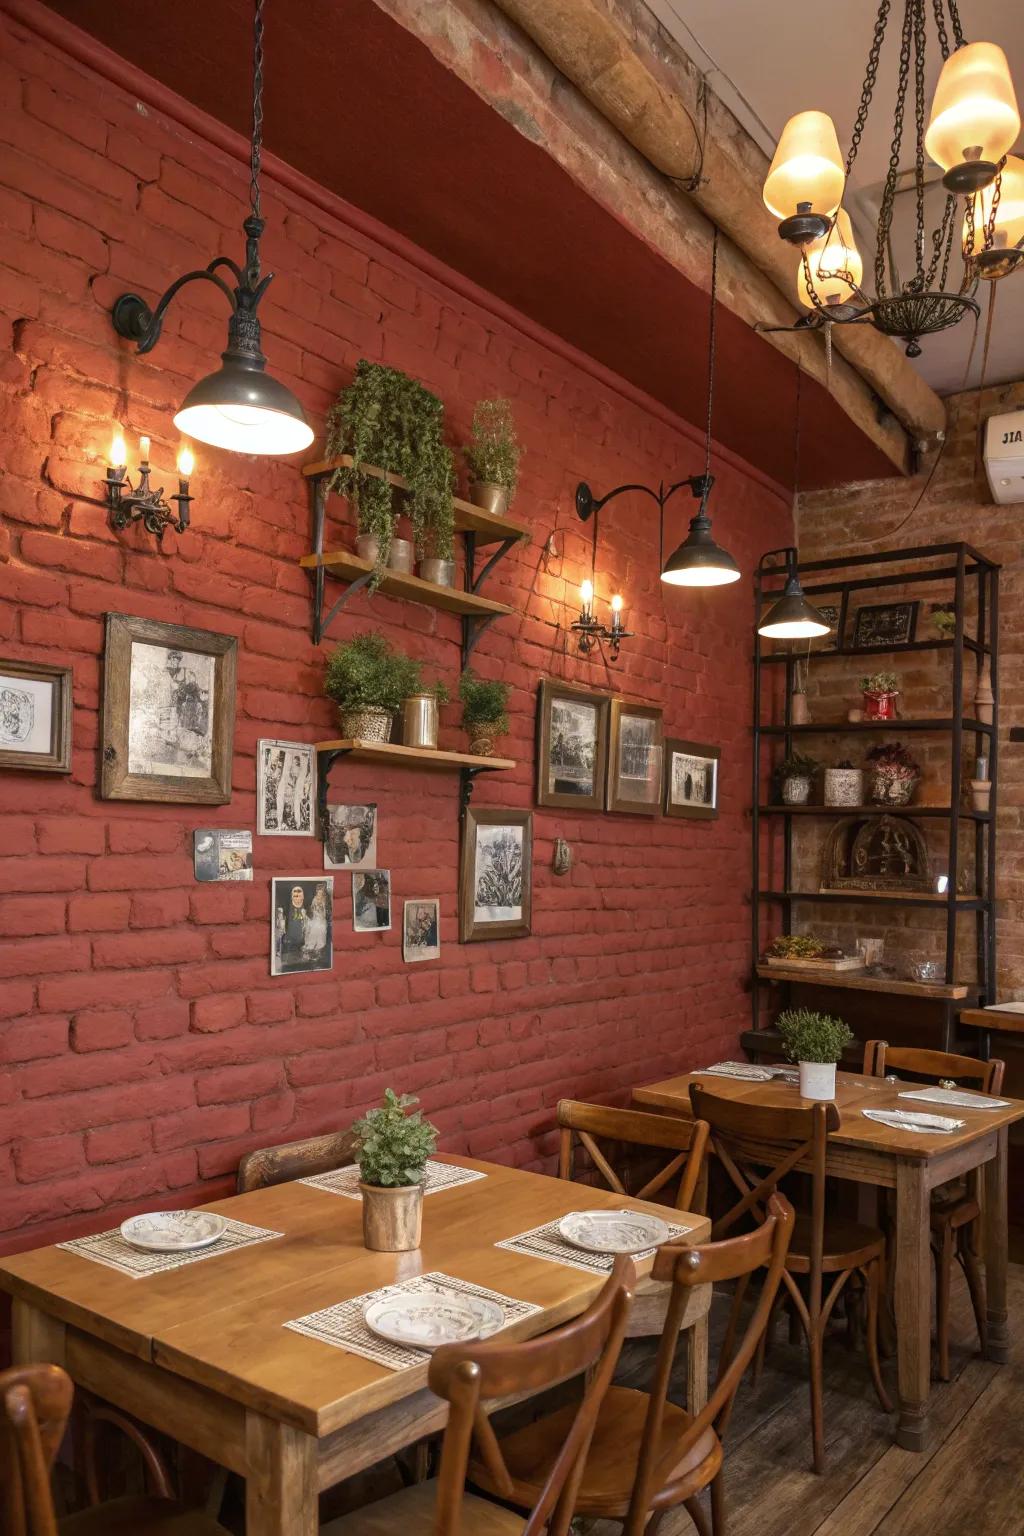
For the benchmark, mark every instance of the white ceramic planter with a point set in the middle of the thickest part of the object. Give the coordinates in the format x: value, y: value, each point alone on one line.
x: 844, y: 786
x: 817, y: 1079
x: 796, y: 790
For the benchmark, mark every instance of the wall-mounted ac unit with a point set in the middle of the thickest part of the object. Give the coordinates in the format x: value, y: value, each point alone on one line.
x: 1004, y: 456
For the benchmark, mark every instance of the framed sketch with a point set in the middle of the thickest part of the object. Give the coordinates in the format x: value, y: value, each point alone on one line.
x: 168, y: 712
x: 691, y: 779
x: 301, y: 924
x: 35, y: 717
x: 371, y: 901
x: 496, y: 880
x: 421, y: 930
x: 831, y: 608
x: 222, y: 854
x: 350, y: 837
x: 635, y: 752
x: 572, y: 746
x: 285, y: 797
x: 883, y: 625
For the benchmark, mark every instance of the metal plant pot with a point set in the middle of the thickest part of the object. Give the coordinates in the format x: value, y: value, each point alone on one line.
x: 367, y: 724
x: 368, y: 547
x: 491, y: 497
x: 419, y: 720
x: 440, y: 572
x: 402, y: 556
x: 392, y: 1218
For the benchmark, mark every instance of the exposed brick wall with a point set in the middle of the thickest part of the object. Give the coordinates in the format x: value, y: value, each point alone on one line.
x: 144, y: 1044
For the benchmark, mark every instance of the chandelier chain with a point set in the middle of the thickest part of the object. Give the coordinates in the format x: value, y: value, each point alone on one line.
x: 922, y: 278
x: 889, y: 190
x: 867, y: 89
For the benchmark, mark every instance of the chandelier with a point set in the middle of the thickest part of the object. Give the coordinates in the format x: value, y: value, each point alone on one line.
x: 973, y: 124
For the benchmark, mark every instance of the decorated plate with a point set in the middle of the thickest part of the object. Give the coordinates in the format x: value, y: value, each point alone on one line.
x: 613, y: 1231
x: 430, y: 1320
x: 173, y: 1231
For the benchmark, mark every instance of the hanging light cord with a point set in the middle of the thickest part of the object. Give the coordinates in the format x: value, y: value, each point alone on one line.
x: 255, y: 154
x: 711, y: 351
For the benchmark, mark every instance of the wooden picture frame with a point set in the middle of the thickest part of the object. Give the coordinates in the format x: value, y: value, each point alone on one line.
x: 699, y: 802
x: 168, y: 712
x: 35, y: 716
x: 884, y: 626
x: 484, y: 859
x: 576, y: 779
x: 635, y: 758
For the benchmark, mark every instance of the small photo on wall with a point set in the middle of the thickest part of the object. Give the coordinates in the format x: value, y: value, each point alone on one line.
x: 35, y: 716
x: 421, y: 930
x: 302, y: 925
x: 371, y: 901
x: 285, y: 773
x: 222, y: 855
x: 350, y: 837
x: 691, y: 779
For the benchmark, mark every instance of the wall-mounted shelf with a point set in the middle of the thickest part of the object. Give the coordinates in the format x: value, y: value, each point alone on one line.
x: 872, y: 810
x: 840, y: 727
x: 880, y: 898
x: 467, y: 764
x: 854, y: 981
x: 775, y: 657
x: 349, y: 567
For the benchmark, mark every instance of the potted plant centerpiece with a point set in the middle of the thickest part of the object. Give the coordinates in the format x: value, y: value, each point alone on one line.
x: 493, y: 455
x: 484, y: 711
x: 795, y: 775
x: 815, y: 1041
x: 420, y: 714
x: 393, y: 1143
x: 369, y: 681
x: 892, y: 774
x: 880, y: 690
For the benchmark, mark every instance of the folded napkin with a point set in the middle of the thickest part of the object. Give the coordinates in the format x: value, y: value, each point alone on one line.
x: 955, y: 1098
x: 745, y: 1069
x: 914, y: 1120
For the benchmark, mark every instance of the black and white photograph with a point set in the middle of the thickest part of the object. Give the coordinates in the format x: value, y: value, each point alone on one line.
x: 170, y: 712
x: 302, y: 924
x: 635, y: 758
x: 371, y: 901
x: 832, y: 613
x: 285, y: 778
x: 884, y: 625
x: 222, y: 853
x: 421, y: 930
x: 350, y: 837
x: 572, y: 745
x: 496, y: 877
x: 691, y: 779
x: 35, y: 716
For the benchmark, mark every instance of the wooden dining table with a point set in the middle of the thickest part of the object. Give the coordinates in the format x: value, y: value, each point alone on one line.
x: 201, y: 1352
x: 912, y: 1164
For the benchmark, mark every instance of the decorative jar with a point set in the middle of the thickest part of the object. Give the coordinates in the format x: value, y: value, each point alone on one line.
x: 890, y: 784
x: 796, y: 789
x: 880, y: 706
x: 419, y: 720
x: 844, y: 786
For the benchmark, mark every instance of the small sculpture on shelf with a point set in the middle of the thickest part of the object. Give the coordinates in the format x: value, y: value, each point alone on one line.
x: 880, y: 690
x: 795, y: 776
x: 876, y: 853
x: 844, y: 784
x: 893, y: 775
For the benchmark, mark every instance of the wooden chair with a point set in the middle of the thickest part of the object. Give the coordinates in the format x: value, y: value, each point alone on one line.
x: 469, y: 1375
x: 956, y: 1207
x: 295, y: 1160
x: 647, y: 1455
x: 751, y: 1138
x: 584, y: 1123
x: 35, y: 1401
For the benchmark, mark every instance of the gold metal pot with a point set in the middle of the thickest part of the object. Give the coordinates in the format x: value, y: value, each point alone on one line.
x: 419, y: 720
x: 392, y: 1218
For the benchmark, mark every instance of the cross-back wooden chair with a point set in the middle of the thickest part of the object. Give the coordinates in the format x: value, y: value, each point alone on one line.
x: 758, y: 1146
x: 295, y: 1160
x: 648, y: 1455
x: 956, y: 1207
x: 468, y: 1376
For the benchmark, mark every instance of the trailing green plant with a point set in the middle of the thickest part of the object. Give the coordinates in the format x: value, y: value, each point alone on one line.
x: 368, y: 673
x: 484, y: 703
x: 795, y: 946
x: 393, y: 1142
x: 896, y: 758
x: 391, y: 421
x: 880, y: 682
x: 810, y: 1036
x: 797, y: 766
x: 493, y: 453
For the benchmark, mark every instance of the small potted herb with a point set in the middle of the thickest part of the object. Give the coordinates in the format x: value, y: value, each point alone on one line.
x: 892, y: 774
x: 393, y: 1143
x: 844, y: 784
x: 420, y: 715
x: 815, y: 1041
x: 796, y: 776
x: 493, y: 456
x: 880, y: 690
x: 484, y: 711
x: 794, y: 946
x: 943, y: 620
x: 369, y: 681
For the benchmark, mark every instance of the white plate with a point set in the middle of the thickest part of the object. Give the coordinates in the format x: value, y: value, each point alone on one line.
x: 427, y: 1321
x: 173, y: 1231
x: 613, y: 1231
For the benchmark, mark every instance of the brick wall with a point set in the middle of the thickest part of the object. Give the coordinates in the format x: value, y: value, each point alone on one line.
x: 144, y: 1044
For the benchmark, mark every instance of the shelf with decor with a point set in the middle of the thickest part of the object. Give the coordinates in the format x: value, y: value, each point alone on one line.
x: 873, y: 810
x: 856, y: 981
x: 840, y: 727
x: 468, y: 765
x: 775, y: 658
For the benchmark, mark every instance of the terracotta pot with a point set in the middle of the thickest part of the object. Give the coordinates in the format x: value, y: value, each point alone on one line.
x: 796, y: 790
x: 392, y: 1218
x: 981, y: 794
x: 984, y: 698
x: 493, y: 498
x: 817, y: 1079
x: 844, y: 786
x: 880, y: 706
x: 367, y: 724
x: 419, y: 720
x: 440, y: 572
x: 799, y: 714
x: 402, y: 556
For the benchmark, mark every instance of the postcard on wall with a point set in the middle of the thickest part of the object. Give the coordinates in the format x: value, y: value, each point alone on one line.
x: 35, y: 716
x: 350, y: 837
x: 371, y: 901
x: 222, y: 854
x: 691, y: 779
x: 421, y: 930
x: 285, y: 796
x: 301, y: 925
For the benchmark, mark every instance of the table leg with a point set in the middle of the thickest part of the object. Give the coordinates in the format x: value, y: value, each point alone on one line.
x: 912, y: 1299
x: 996, y: 1218
x: 37, y: 1338
x: 697, y: 1365
x: 280, y: 1482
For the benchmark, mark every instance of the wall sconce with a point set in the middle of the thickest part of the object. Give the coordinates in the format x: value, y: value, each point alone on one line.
x: 590, y: 631
x: 130, y: 504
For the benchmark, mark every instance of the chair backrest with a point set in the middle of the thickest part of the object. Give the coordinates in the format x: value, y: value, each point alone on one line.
x: 736, y: 1258
x: 469, y: 1375
x: 880, y: 1057
x: 585, y: 1123
x: 295, y: 1160
x: 35, y: 1401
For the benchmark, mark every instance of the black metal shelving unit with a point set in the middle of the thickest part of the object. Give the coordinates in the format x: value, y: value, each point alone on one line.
x: 919, y: 566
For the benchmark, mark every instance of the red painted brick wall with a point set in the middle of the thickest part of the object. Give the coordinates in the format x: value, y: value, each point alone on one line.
x: 144, y: 1044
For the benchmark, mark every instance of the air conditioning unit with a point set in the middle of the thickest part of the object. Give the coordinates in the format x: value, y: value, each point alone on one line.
x: 1004, y: 456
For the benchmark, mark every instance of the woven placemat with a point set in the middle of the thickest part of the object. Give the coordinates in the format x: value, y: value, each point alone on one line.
x: 110, y: 1248
x: 547, y: 1243
x: 343, y: 1326
x: 345, y: 1181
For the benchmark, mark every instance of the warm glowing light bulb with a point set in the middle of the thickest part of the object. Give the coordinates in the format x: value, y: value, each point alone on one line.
x: 829, y: 261
x: 1008, y: 228
x: 974, y: 111
x: 586, y: 593
x: 616, y: 603
x: 186, y: 461
x: 144, y: 449
x: 118, y: 451
x: 806, y: 173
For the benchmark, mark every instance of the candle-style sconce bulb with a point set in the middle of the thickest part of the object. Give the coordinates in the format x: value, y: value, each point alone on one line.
x: 586, y: 595
x: 130, y: 504
x: 118, y: 451
x: 144, y: 450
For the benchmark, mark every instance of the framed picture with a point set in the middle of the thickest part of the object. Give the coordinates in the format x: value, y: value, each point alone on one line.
x: 421, y: 930
x: 635, y: 754
x: 572, y: 746
x: 691, y: 779
x: 496, y: 880
x: 168, y: 712
x: 35, y: 716
x: 285, y: 798
x: 222, y: 855
x: 371, y: 901
x: 301, y: 924
x: 883, y: 625
x: 350, y: 837
x: 831, y: 610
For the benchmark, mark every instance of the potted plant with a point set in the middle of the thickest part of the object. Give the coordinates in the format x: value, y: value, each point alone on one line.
x: 796, y: 775
x: 493, y: 455
x: 484, y: 711
x: 880, y: 690
x: 815, y: 1041
x: 420, y: 714
x: 892, y: 774
x: 794, y: 946
x: 393, y: 1143
x: 369, y: 681
x: 844, y: 784
x: 388, y: 420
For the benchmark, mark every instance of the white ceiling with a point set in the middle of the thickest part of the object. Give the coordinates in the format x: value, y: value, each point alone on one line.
x: 769, y: 60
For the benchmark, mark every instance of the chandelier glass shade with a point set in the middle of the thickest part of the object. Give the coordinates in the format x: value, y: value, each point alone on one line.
x: 806, y: 178
x: 974, y: 117
x: 993, y: 232
x: 830, y: 271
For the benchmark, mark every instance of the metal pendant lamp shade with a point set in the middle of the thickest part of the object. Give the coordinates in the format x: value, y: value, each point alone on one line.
x: 793, y: 617
x: 242, y: 408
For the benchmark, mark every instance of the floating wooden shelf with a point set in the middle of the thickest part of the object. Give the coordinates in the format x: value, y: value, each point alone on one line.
x: 349, y: 567
x: 414, y: 757
x: 840, y: 727
x: 871, y: 810
x: 856, y: 982
x: 468, y: 518
x: 880, y: 898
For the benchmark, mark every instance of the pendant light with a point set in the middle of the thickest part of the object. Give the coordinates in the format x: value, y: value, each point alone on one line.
x: 974, y: 119
x: 239, y: 407
x: 805, y: 181
x: 994, y: 225
x: 830, y: 271
x: 793, y: 617
x: 699, y: 561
